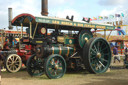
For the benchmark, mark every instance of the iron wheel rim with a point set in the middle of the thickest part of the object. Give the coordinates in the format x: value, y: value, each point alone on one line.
x: 97, y: 55
x: 13, y: 63
x: 35, y: 66
x: 55, y: 67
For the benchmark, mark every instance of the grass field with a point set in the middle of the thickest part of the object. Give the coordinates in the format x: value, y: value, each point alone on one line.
x: 117, y: 76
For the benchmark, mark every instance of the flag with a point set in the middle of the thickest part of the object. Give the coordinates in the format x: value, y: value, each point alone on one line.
x: 85, y: 18
x: 117, y: 15
x: 94, y: 18
x: 111, y: 16
x: 105, y: 17
x: 100, y: 17
x: 90, y: 19
x: 122, y: 14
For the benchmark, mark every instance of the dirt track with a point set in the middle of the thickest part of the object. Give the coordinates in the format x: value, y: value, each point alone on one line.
x: 114, y: 77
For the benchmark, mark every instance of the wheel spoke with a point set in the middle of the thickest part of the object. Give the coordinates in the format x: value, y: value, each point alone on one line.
x: 98, y: 45
x: 98, y: 66
x: 52, y: 61
x: 93, y: 51
x: 102, y: 64
x: 33, y: 70
x: 95, y: 48
x: 9, y: 62
x: 107, y: 54
x: 101, y: 44
x: 16, y: 59
x: 104, y: 60
x: 13, y: 58
x: 103, y: 49
x: 17, y: 64
x: 15, y: 67
x: 55, y: 73
x: 92, y: 58
x: 11, y: 67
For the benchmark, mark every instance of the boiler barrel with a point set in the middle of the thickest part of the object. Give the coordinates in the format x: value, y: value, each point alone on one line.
x: 62, y: 50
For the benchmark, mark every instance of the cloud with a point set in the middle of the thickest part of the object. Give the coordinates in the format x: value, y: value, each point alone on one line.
x: 115, y: 10
x: 59, y: 2
x: 113, y: 2
x: 69, y: 12
x: 18, y: 6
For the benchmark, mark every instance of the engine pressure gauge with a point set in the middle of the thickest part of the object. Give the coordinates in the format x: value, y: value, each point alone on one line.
x: 43, y: 30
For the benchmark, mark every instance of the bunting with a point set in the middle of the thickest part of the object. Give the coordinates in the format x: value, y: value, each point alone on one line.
x: 94, y: 18
x: 122, y: 14
x: 100, y: 17
x: 111, y: 16
x: 85, y: 18
x: 105, y: 17
x: 117, y: 15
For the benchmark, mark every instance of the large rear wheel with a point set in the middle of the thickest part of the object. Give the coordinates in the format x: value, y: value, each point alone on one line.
x: 97, y: 55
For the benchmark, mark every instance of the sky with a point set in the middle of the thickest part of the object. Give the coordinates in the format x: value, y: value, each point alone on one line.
x: 62, y: 8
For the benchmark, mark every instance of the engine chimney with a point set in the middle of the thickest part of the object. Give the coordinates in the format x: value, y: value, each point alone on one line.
x: 44, y: 8
x: 10, y: 18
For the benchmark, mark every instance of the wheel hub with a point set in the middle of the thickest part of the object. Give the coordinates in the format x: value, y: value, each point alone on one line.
x: 98, y: 55
x: 56, y: 66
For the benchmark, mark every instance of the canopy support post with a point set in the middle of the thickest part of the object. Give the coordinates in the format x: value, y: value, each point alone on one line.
x: 35, y: 30
x: 109, y: 35
x: 105, y: 33
x: 21, y: 30
x: 30, y: 29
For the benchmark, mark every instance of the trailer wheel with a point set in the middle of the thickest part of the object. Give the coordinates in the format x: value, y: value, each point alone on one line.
x: 97, y: 55
x: 35, y: 66
x: 13, y: 63
x: 55, y: 66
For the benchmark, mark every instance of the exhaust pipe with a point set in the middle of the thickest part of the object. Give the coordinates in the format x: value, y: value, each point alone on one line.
x: 44, y: 8
x: 10, y: 18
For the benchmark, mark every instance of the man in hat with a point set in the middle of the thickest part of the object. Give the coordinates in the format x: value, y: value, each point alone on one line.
x: 116, y: 55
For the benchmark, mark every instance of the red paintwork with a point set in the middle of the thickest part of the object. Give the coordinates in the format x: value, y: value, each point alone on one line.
x: 25, y: 53
x: 24, y: 14
x: 27, y: 57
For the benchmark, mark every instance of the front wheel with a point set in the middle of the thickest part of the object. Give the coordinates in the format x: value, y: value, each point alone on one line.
x: 55, y: 66
x: 35, y: 66
x: 13, y: 63
x: 97, y: 55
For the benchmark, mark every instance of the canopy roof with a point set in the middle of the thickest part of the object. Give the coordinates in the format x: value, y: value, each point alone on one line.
x: 25, y: 19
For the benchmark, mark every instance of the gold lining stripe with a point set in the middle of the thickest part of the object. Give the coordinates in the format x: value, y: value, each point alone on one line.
x: 74, y: 49
x: 60, y: 50
x: 67, y: 51
x: 52, y: 49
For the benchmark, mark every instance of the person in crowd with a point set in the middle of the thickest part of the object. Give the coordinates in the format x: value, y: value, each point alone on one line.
x: 126, y: 55
x: 126, y: 51
x: 115, y: 54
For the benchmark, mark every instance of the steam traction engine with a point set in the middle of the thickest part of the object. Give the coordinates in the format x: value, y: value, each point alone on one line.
x: 14, y: 56
x: 70, y: 44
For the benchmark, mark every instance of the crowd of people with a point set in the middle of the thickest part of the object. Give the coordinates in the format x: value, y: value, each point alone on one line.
x: 116, y: 55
